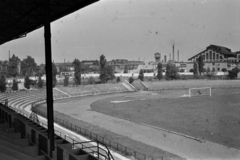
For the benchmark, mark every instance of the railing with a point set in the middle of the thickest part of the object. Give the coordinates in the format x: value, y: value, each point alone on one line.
x: 95, y: 147
x: 100, y: 139
x: 101, y: 153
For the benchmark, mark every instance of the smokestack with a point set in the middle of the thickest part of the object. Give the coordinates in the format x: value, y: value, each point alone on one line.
x: 165, y: 59
x: 178, y: 55
x: 173, y: 52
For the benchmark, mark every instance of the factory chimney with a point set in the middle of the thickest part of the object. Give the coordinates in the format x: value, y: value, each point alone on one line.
x: 165, y: 58
x: 173, y: 53
x: 9, y: 56
x: 178, y: 55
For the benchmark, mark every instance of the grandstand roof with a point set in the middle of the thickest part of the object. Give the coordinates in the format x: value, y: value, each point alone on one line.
x: 220, y: 49
x: 18, y: 18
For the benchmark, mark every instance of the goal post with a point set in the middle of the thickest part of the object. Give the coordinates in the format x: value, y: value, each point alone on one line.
x: 203, y: 91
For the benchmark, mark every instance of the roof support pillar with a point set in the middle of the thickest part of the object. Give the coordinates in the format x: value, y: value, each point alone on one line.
x: 48, y: 60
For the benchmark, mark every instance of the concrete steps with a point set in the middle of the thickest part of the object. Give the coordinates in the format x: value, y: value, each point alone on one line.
x: 15, y: 147
x: 6, y: 157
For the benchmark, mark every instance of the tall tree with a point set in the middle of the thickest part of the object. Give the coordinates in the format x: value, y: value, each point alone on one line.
x: 4, y: 67
x: 77, y: 71
x: 141, y: 75
x: 41, y: 70
x: 102, y: 67
x: 14, y: 66
x: 28, y: 66
x: 159, y: 74
x: 15, y: 85
x: 106, y: 71
x: 3, y: 83
x: 54, y: 74
x: 171, y: 71
x: 195, y: 68
x: 200, y: 64
x: 109, y: 73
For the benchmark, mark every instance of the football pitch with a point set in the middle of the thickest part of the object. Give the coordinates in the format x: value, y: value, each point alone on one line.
x: 214, y: 118
x: 143, y: 120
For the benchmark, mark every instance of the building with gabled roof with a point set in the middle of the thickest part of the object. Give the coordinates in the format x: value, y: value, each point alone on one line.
x: 215, y: 53
x: 216, y: 58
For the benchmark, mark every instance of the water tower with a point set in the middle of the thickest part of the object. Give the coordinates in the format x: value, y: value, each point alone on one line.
x: 157, y: 57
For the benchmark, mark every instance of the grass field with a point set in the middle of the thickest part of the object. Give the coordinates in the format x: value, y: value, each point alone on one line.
x: 213, y: 118
x: 68, y: 110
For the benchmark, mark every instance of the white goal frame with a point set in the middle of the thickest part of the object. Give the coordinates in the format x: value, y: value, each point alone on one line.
x: 190, y: 89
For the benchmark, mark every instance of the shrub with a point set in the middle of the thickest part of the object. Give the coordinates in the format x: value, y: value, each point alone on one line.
x: 118, y: 79
x: 178, y: 76
x: 183, y: 77
x: 91, y: 80
x: 233, y: 73
x: 171, y: 71
x: 54, y: 82
x: 27, y: 82
x: 141, y: 75
x: 224, y: 70
x: 66, y: 81
x: 150, y: 79
x: 15, y: 85
x: 210, y: 74
x: 40, y: 82
x: 204, y: 70
x: 130, y: 80
x: 159, y: 73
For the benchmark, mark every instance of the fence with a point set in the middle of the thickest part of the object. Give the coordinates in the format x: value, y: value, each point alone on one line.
x: 97, y: 149
x: 194, y: 86
x: 95, y: 137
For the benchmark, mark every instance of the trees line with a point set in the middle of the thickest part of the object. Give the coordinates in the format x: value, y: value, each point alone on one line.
x: 29, y: 68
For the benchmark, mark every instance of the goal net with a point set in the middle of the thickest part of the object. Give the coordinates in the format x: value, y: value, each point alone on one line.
x: 204, y: 91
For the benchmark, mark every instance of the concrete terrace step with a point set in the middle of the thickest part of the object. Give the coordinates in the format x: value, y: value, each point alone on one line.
x: 11, y: 142
x: 18, y: 155
x: 128, y: 86
x: 62, y: 92
x: 6, y: 157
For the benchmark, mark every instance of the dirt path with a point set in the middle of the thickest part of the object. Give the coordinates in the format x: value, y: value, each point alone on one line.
x: 176, y: 144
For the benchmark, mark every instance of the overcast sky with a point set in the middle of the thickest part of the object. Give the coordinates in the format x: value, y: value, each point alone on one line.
x: 136, y: 29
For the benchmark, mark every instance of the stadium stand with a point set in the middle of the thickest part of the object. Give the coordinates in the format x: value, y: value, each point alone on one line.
x: 139, y: 85
x: 94, y: 89
x: 23, y: 143
x: 22, y: 139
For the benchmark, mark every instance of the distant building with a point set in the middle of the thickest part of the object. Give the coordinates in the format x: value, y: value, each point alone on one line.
x: 90, y: 62
x: 123, y: 65
x: 68, y: 65
x: 216, y: 58
x: 214, y: 53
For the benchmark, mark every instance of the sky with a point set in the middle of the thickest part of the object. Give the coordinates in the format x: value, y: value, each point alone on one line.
x: 135, y: 30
